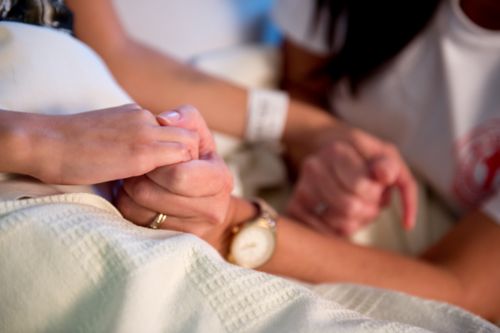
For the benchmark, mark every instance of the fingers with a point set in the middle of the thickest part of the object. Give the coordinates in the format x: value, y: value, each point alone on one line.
x: 143, y: 216
x: 391, y: 171
x: 299, y: 212
x: 408, y: 193
x: 186, y: 178
x: 389, y: 168
x: 385, y: 169
x: 351, y: 171
x: 161, y: 154
x: 320, y: 186
x: 304, y: 206
x: 184, y: 136
x: 150, y: 195
x: 353, y: 186
x: 190, y: 118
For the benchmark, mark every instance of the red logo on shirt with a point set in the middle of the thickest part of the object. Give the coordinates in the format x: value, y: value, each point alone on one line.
x: 478, y: 172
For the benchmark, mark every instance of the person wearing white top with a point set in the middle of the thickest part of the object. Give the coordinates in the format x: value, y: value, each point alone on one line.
x: 450, y: 272
x: 435, y: 98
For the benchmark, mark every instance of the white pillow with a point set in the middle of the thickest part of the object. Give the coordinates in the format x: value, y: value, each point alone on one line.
x: 46, y: 71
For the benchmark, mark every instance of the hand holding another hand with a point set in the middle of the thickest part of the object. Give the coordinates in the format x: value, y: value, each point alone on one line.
x: 345, y: 183
x: 104, y: 145
x: 195, y: 195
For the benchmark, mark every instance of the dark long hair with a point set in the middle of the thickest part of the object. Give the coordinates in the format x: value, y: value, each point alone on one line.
x: 377, y: 30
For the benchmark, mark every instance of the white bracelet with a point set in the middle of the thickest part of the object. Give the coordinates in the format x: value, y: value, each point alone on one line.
x: 267, y: 111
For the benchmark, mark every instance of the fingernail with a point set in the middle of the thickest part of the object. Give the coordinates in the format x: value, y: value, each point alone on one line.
x: 170, y: 117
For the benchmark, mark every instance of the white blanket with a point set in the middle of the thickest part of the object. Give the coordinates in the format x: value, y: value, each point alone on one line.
x: 70, y: 263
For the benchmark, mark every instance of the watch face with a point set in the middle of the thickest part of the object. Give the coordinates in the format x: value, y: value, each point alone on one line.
x: 253, y: 246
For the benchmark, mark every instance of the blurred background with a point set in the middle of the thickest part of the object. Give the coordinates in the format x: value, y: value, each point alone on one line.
x: 189, y: 28
x: 232, y: 39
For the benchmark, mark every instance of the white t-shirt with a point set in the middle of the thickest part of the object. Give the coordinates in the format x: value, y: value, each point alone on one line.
x: 438, y: 101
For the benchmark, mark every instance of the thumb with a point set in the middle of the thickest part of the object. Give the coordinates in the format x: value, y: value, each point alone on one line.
x: 190, y: 118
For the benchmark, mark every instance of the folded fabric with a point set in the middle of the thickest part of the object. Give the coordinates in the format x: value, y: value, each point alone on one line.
x: 71, y: 263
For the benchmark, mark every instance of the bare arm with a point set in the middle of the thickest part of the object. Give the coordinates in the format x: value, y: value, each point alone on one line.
x: 125, y: 141
x: 304, y: 75
x: 16, y: 154
x: 158, y: 82
x: 461, y: 269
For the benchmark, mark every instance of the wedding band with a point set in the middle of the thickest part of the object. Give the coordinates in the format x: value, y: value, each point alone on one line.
x: 320, y: 208
x: 159, y: 219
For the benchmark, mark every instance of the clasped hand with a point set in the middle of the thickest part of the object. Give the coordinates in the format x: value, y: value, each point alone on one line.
x: 194, y: 194
x: 346, y: 180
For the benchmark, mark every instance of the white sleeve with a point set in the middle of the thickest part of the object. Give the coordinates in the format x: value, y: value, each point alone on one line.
x: 492, y: 207
x: 295, y: 19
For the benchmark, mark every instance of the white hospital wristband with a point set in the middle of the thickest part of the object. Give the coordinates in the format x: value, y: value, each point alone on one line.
x: 266, y: 115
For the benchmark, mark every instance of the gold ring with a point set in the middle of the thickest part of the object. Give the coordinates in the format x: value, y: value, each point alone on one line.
x: 159, y: 219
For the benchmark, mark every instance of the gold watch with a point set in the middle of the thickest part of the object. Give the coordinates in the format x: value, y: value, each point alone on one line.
x: 253, y: 242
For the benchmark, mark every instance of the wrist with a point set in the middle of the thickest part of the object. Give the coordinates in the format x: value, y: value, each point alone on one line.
x: 34, y: 145
x: 306, y: 130
x: 253, y: 242
x: 17, y: 143
x: 239, y: 212
x: 266, y: 115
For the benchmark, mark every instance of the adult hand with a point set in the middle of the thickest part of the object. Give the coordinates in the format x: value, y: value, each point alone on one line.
x: 345, y: 183
x: 194, y: 195
x: 104, y: 145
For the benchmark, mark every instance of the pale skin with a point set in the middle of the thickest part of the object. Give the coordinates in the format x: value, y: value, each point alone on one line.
x: 453, y: 271
x: 158, y: 82
x: 461, y: 269
x: 124, y: 141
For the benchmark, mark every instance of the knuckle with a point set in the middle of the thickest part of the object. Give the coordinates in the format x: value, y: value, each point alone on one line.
x: 349, y: 227
x: 140, y: 192
x: 310, y: 164
x: 141, y: 158
x: 359, y: 186
x: 192, y: 143
x: 350, y: 208
x: 123, y: 206
x: 193, y: 137
x: 336, y: 148
x: 216, y: 217
x: 183, y: 150
x: 177, y: 178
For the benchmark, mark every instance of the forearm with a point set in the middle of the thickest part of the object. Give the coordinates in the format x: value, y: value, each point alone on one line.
x: 307, y: 255
x: 16, y: 143
x: 443, y: 275
x: 158, y: 82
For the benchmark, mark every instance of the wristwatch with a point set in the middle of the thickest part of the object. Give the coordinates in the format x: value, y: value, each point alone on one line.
x: 253, y: 242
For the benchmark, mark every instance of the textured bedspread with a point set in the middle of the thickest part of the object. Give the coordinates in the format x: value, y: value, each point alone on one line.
x: 70, y: 263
